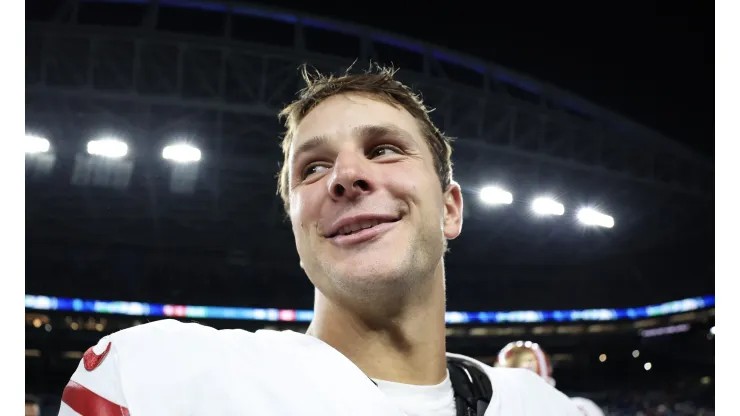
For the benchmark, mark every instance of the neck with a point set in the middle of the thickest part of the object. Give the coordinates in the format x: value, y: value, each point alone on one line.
x: 405, y: 346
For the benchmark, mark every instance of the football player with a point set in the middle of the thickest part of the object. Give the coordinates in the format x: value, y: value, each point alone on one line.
x: 367, y: 184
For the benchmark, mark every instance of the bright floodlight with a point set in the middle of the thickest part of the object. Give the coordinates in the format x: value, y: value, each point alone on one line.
x: 636, y: 353
x: 110, y: 148
x: 648, y: 366
x: 36, y: 144
x: 181, y: 153
x: 589, y: 216
x: 602, y: 358
x: 547, y: 206
x: 493, y: 195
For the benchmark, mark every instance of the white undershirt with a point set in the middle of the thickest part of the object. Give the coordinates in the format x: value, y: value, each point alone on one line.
x: 415, y: 400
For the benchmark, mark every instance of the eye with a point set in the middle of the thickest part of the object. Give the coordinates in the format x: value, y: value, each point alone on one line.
x: 312, y: 169
x: 383, y: 150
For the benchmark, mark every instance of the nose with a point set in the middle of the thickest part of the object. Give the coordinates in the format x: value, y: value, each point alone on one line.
x: 351, y: 177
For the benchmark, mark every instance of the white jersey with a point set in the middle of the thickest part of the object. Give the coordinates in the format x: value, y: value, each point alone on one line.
x: 587, y: 407
x: 172, y: 368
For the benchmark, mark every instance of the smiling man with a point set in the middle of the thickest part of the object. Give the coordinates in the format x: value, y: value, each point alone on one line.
x: 367, y: 185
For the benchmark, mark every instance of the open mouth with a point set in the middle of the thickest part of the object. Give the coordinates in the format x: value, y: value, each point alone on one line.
x: 359, y: 226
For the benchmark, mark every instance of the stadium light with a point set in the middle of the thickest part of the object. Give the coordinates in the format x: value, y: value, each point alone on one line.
x: 711, y: 330
x: 636, y: 353
x: 493, y: 195
x: 602, y: 358
x: 589, y: 216
x: 36, y: 144
x: 40, y: 161
x: 181, y: 153
x: 547, y: 206
x: 648, y: 366
x: 104, y: 165
x: 110, y: 148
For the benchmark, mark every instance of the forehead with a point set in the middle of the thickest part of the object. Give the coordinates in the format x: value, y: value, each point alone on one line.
x: 341, y: 114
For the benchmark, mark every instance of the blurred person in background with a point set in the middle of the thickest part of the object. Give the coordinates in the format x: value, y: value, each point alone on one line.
x: 530, y: 356
x: 526, y: 355
x: 33, y: 406
x: 367, y: 184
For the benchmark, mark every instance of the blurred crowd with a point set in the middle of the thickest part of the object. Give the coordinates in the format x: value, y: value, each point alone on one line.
x: 683, y: 400
x: 658, y: 403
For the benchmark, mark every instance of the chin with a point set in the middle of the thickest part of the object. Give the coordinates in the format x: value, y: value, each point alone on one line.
x: 369, y: 269
x: 370, y: 274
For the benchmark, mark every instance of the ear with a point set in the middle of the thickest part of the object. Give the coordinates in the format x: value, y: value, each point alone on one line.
x: 453, y: 215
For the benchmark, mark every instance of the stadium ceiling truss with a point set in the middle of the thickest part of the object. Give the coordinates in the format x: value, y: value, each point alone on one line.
x: 232, y: 89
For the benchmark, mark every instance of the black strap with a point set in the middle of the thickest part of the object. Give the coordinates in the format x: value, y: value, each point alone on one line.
x: 472, y: 388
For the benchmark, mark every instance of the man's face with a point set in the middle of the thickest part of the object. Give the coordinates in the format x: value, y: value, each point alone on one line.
x: 366, y: 204
x: 527, y: 360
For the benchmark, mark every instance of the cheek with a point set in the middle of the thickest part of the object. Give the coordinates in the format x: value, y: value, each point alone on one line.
x: 304, y: 208
x: 407, y: 181
x: 428, y: 192
x: 297, y: 207
x: 418, y: 191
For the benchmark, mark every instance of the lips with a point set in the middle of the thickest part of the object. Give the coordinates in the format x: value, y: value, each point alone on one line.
x: 354, y: 225
x: 353, y: 228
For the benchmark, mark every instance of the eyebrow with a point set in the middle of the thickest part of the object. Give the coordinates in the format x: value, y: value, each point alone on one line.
x: 374, y: 131
x: 368, y: 132
x: 310, y: 144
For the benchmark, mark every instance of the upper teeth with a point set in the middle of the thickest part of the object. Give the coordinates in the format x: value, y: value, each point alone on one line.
x: 349, y: 229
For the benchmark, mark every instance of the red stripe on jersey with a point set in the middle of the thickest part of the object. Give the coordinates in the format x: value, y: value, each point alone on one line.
x: 87, y: 403
x: 93, y: 360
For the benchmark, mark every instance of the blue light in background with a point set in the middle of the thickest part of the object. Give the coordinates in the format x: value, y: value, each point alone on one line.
x: 272, y: 314
x: 304, y: 316
x: 280, y: 17
x: 482, y: 317
x: 506, y: 78
x: 156, y: 310
x: 65, y: 303
x: 211, y: 7
x: 559, y: 316
x: 397, y: 43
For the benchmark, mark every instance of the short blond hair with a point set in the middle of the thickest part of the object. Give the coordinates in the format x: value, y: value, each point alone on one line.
x: 379, y: 83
